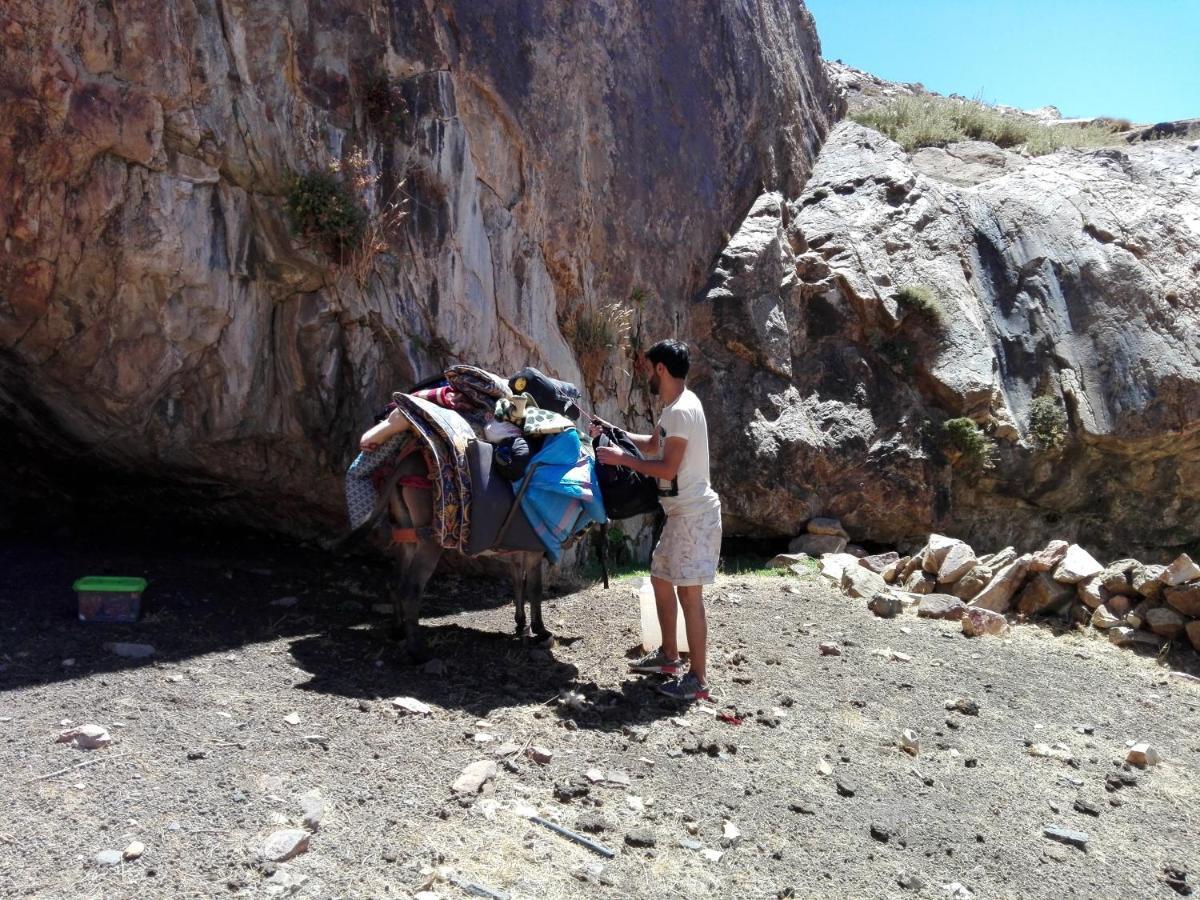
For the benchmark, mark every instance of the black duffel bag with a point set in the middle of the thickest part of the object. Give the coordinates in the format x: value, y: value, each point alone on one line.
x: 626, y: 493
x: 549, y: 393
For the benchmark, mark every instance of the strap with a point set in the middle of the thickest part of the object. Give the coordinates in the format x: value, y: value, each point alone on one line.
x: 411, y: 535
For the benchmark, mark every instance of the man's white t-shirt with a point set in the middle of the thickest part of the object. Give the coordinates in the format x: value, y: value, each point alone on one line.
x: 684, y: 418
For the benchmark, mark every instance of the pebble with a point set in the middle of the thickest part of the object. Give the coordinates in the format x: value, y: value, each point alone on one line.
x: 292, y: 718
x: 641, y: 837
x: 85, y: 737
x: 411, y: 706
x: 315, y: 807
x: 910, y: 882
x: 134, y: 850
x: 474, y: 777
x: 1066, y: 836
x: 109, y: 858
x: 713, y: 856
x: 824, y: 767
x: 881, y: 832
x: 592, y: 823
x: 1089, y: 809
x: 844, y: 788
x: 1142, y: 755
x: 829, y: 648
x: 909, y: 742
x: 964, y: 705
x: 540, y: 755
x: 803, y: 807
x: 731, y: 835
x: 284, y: 844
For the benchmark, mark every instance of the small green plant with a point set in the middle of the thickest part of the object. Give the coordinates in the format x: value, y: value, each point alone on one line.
x: 322, y: 209
x: 963, y: 442
x: 921, y: 300
x: 1047, y: 422
x: 383, y: 101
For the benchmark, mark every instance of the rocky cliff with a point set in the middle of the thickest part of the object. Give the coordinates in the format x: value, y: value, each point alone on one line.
x: 1072, y: 277
x: 157, y: 313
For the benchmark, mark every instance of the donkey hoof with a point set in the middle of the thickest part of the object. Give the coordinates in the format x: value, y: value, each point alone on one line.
x: 543, y: 640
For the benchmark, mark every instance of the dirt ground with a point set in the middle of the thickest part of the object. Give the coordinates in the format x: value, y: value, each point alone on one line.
x: 204, y: 764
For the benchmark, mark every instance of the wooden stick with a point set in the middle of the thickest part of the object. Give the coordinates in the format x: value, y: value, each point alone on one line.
x: 576, y: 837
x: 86, y: 762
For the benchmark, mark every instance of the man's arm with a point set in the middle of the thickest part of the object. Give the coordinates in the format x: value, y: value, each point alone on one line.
x: 646, y: 443
x: 664, y: 469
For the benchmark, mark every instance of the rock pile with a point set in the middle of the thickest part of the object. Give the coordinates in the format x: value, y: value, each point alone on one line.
x: 1138, y: 605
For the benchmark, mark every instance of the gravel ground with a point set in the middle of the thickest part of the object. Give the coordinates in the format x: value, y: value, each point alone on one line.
x: 204, y: 764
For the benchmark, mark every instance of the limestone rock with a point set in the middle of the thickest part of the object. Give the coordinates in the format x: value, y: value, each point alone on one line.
x: 85, y: 737
x: 1000, y: 559
x: 880, y: 562
x: 1116, y: 576
x: 824, y: 525
x: 1091, y: 591
x: 886, y: 606
x: 1051, y: 556
x: 1181, y: 571
x: 818, y: 544
x: 860, y: 582
x: 1124, y: 636
x: 1044, y: 596
x: 834, y: 564
x: 1147, y: 581
x: 1119, y: 605
x: 283, y: 845
x: 1104, y: 618
x: 969, y: 586
x: 1142, y: 755
x: 921, y: 582
x: 1077, y: 565
x: 1165, y: 621
x: 958, y: 561
x: 998, y: 595
x: 474, y: 777
x: 978, y: 621
x: 1185, y: 598
x: 936, y: 550
x: 1136, y: 617
x: 941, y: 606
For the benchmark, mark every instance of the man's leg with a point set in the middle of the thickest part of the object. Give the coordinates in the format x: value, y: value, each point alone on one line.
x: 696, y: 623
x: 667, y: 608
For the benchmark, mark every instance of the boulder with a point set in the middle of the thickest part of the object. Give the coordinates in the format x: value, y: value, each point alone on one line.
x: 1000, y: 559
x: 880, y: 562
x: 1181, y: 571
x: 920, y: 582
x: 1078, y: 612
x: 818, y: 544
x: 912, y: 564
x: 1044, y: 596
x: 1119, y: 605
x: 1091, y: 591
x: 859, y: 582
x: 1116, y: 576
x: 891, y: 572
x: 856, y: 551
x: 834, y: 564
x: 1124, y: 636
x: 1147, y: 581
x: 1076, y: 565
x: 1165, y: 621
x: 822, y: 525
x: 886, y: 606
x: 1104, y: 618
x: 969, y: 586
x: 978, y: 621
x: 958, y: 561
x: 940, y: 606
x: 1185, y: 598
x: 1136, y: 617
x: 998, y: 595
x: 1192, y: 629
x: 1051, y: 556
x: 935, y: 551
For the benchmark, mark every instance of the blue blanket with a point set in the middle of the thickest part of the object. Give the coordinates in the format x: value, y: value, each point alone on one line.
x: 563, y: 496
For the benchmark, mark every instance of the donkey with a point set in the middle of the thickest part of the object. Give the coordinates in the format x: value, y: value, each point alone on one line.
x: 412, y: 508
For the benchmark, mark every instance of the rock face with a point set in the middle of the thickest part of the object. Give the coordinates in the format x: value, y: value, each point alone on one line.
x: 155, y: 312
x: 1065, y: 276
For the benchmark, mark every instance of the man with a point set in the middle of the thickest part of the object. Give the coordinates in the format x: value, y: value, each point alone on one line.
x: 685, y: 558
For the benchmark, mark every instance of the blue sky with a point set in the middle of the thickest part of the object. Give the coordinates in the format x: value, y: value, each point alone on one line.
x: 1120, y: 58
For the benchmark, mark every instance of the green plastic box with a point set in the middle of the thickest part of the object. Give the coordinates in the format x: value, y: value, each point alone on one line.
x: 109, y: 598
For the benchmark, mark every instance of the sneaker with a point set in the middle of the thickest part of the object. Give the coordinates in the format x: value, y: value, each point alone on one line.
x: 657, y: 663
x: 689, y: 687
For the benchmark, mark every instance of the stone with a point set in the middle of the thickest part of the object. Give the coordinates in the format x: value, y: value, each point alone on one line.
x: 1142, y: 755
x: 1077, y: 565
x: 731, y: 835
x: 1000, y: 559
x: 803, y: 807
x: 909, y: 742
x: 998, y: 595
x: 1116, y: 576
x: 977, y: 621
x: 85, y: 737
x: 844, y: 788
x: 1043, y: 595
x: 965, y: 705
x: 1104, y: 618
x: 1119, y: 605
x: 826, y: 526
x: 1186, y: 599
x: 640, y: 837
x: 880, y: 562
x: 1180, y: 571
x: 860, y: 582
x: 920, y: 582
x: 788, y: 560
x: 412, y: 706
x: 911, y: 882
x: 1123, y: 636
x: 936, y: 549
x: 130, y: 650
x: 1077, y: 839
x: 1192, y: 629
x: 941, y: 606
x: 292, y: 718
x: 886, y: 606
x: 957, y: 562
x: 713, y: 856
x: 881, y: 832
x: 819, y: 544
x: 1078, y: 613
x: 540, y: 755
x: 109, y: 858
x: 1136, y: 617
x: 1088, y: 809
x: 829, y: 648
x: 834, y: 564
x: 1147, y: 581
x: 315, y: 807
x: 891, y: 572
x: 857, y: 550
x: 474, y: 777
x: 1091, y: 591
x: 1165, y: 621
x: 1051, y: 556
x: 133, y: 851
x: 284, y: 844
x: 969, y: 586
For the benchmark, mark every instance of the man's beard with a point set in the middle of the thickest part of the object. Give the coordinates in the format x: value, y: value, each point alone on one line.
x: 655, y: 384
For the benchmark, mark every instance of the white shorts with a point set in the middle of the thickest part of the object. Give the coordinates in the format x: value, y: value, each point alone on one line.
x: 689, y: 549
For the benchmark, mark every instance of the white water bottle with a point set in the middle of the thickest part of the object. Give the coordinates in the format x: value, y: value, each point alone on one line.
x: 651, y: 632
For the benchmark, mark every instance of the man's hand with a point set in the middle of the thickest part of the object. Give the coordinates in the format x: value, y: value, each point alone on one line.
x: 611, y: 456
x: 596, y: 425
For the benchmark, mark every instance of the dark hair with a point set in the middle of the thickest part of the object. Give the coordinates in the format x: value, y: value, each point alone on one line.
x: 673, y: 355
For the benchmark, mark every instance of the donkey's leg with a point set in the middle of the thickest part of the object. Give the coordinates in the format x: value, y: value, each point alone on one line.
x: 517, y: 571
x: 412, y: 591
x: 534, y: 586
